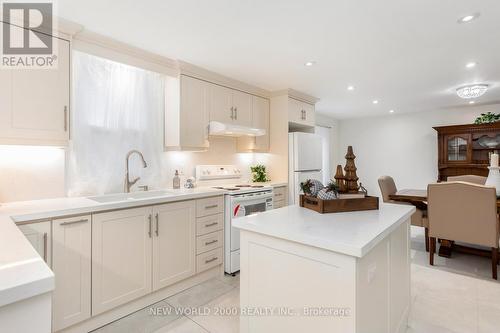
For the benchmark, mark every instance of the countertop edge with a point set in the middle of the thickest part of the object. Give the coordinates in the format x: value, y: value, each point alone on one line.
x: 44, y: 215
x: 341, y: 248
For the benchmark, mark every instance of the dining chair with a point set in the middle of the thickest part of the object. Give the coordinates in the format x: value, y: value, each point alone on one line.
x: 480, y: 180
x: 419, y: 218
x: 466, y: 213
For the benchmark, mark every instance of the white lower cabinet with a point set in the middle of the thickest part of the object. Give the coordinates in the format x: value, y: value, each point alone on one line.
x: 71, y: 266
x: 39, y: 235
x: 173, y: 243
x: 121, y: 257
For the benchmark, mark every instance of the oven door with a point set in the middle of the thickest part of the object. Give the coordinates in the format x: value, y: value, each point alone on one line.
x: 243, y: 206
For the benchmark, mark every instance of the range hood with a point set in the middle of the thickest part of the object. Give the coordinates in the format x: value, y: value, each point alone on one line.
x: 217, y: 128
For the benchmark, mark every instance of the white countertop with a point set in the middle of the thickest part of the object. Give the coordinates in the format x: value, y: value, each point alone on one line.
x: 23, y: 273
x: 353, y: 233
x: 25, y: 211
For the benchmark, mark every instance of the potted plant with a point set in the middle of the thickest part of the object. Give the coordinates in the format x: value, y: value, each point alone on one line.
x: 259, y: 174
x: 487, y: 117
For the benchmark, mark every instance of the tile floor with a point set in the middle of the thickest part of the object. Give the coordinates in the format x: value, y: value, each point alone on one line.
x: 457, y: 295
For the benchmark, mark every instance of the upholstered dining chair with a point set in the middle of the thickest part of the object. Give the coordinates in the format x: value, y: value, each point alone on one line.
x: 480, y: 180
x: 466, y: 213
x: 419, y: 218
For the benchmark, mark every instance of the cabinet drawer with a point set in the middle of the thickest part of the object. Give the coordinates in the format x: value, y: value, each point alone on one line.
x: 279, y: 204
x: 208, y: 260
x: 208, y: 224
x: 209, y: 206
x: 279, y: 193
x: 208, y: 242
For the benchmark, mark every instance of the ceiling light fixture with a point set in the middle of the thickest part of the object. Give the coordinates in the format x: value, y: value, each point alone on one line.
x: 375, y: 102
x: 468, y: 18
x: 471, y: 65
x: 310, y: 63
x: 350, y: 88
x: 391, y: 111
x: 472, y: 91
x: 472, y: 102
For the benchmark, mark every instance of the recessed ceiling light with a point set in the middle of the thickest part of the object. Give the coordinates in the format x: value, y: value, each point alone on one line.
x: 472, y: 91
x: 471, y: 64
x: 375, y: 102
x: 391, y: 111
x: 471, y: 102
x: 350, y: 88
x: 310, y: 63
x: 468, y: 18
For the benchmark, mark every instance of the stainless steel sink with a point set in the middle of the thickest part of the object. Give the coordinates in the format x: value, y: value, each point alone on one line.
x: 129, y: 196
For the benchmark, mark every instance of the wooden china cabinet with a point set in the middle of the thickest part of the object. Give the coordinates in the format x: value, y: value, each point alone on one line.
x: 465, y: 149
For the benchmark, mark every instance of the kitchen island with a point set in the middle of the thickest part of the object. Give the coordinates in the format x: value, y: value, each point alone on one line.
x: 302, y: 271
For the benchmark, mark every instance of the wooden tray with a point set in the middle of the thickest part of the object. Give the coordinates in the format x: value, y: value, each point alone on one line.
x: 338, y: 205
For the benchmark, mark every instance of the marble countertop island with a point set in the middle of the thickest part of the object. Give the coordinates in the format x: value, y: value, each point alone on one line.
x: 312, y: 272
x: 354, y: 233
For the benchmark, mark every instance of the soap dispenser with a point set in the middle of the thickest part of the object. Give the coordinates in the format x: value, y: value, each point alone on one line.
x: 177, y: 180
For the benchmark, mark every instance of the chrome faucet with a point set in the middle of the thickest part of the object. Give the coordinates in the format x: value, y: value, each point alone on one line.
x: 129, y: 183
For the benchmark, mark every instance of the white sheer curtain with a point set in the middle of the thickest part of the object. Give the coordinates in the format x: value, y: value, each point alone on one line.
x: 116, y: 108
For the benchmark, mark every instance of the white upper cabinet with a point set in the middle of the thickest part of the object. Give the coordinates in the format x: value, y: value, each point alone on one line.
x: 260, y: 119
x: 221, y: 106
x: 186, y: 113
x: 242, y: 108
x: 230, y: 106
x: 34, y: 103
x: 300, y: 112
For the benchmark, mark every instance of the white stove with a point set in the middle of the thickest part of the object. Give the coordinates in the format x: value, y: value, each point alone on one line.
x: 241, y: 199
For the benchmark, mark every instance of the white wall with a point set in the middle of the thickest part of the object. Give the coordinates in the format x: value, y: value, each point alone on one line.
x: 30, y: 173
x: 403, y: 146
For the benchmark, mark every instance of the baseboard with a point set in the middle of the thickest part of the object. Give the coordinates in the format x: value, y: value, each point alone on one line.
x: 140, y: 303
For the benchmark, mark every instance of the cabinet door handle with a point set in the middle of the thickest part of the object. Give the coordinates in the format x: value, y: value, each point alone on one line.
x: 45, y: 247
x: 150, y: 220
x: 211, y: 224
x: 75, y: 222
x: 65, y: 118
x: 157, y: 224
x: 232, y: 113
x: 211, y: 242
x: 236, y: 113
x: 210, y: 260
x: 211, y: 206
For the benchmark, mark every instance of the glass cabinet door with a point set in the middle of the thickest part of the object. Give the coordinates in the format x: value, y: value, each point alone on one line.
x: 457, y: 148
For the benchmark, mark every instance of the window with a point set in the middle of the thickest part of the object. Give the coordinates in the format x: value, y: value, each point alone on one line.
x: 116, y: 108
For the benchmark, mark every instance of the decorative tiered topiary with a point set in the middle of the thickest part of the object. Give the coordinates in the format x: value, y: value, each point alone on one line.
x: 351, y: 178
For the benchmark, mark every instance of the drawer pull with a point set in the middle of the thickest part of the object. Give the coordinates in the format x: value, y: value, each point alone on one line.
x: 211, y: 206
x: 150, y: 220
x: 211, y: 260
x: 211, y: 224
x: 75, y: 222
x: 211, y: 242
x: 278, y: 194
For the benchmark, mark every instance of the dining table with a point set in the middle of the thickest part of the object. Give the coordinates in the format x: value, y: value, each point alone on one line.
x: 418, y: 198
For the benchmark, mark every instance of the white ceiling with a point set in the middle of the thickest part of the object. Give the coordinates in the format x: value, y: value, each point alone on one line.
x: 408, y: 54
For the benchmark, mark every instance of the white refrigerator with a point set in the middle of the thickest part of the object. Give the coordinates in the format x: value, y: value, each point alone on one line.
x: 304, y: 161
